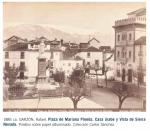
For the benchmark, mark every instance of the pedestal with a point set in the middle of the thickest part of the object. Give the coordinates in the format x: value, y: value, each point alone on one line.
x: 41, y: 70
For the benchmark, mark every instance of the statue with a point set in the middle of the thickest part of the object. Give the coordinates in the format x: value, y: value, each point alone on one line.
x: 42, y: 48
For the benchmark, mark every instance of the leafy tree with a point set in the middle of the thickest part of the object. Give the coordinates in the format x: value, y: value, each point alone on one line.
x: 59, y: 76
x: 11, y: 74
x: 76, y: 87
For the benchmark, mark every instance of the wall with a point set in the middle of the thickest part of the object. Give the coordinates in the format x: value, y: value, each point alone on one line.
x: 93, y: 56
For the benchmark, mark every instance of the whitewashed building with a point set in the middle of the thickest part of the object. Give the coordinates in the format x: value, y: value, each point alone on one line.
x: 25, y: 55
x: 91, y: 56
x: 26, y: 58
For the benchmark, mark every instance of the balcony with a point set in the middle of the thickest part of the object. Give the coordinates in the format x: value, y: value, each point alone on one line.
x: 133, y: 20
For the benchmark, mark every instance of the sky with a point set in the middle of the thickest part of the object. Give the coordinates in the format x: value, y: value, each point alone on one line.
x: 81, y: 18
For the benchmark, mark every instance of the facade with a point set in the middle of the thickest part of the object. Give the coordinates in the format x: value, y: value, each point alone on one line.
x: 91, y: 56
x: 127, y: 32
x: 26, y: 56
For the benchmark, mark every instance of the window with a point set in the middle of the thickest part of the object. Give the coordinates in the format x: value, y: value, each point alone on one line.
x: 52, y: 55
x: 88, y: 55
x: 77, y: 64
x: 130, y: 36
x: 22, y: 55
x: 52, y: 64
x: 21, y: 75
x: 22, y: 65
x: 124, y: 36
x: 118, y: 73
x: 118, y: 38
x: 88, y: 63
x: 118, y: 54
x: 7, y: 65
x: 7, y: 55
x: 129, y: 54
x: 97, y: 62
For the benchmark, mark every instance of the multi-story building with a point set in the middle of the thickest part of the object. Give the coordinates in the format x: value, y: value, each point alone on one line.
x: 25, y: 56
x: 91, y: 56
x: 128, y: 54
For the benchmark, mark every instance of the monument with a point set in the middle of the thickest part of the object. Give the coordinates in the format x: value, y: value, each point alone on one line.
x: 41, y: 63
x: 44, y: 87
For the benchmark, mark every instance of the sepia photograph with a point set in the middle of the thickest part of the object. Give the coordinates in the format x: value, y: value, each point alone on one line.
x: 74, y: 56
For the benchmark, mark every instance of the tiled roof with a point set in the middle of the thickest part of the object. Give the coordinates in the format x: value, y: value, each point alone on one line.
x: 102, y: 48
x: 15, y: 37
x: 24, y: 47
x: 94, y: 39
x: 17, y: 47
x: 90, y: 49
x: 141, y: 41
x: 78, y: 58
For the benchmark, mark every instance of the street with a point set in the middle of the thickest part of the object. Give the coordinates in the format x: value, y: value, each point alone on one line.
x: 109, y: 100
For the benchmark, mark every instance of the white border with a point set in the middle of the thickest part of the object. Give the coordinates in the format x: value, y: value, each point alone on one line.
x: 120, y: 126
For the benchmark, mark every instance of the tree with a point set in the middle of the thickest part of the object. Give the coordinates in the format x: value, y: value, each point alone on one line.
x: 76, y: 87
x: 96, y: 68
x: 59, y: 76
x: 106, y: 67
x: 124, y: 91
x: 11, y: 74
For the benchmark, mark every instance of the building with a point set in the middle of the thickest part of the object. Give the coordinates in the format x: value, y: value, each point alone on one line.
x: 92, y: 42
x: 91, y: 56
x: 127, y: 34
x: 13, y: 40
x: 68, y: 65
x: 25, y: 56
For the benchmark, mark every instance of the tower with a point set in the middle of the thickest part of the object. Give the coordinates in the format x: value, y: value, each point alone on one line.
x: 127, y: 32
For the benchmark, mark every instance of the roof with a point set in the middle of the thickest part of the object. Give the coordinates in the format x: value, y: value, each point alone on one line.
x: 141, y: 11
x: 78, y: 58
x: 15, y: 38
x: 24, y: 47
x: 141, y: 41
x: 90, y: 49
x: 17, y: 47
x: 94, y: 39
x: 84, y: 43
x: 102, y: 48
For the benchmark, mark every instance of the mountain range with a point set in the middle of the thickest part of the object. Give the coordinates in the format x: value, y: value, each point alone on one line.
x: 30, y: 32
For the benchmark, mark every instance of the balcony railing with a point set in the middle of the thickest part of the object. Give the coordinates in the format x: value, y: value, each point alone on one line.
x: 139, y: 19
